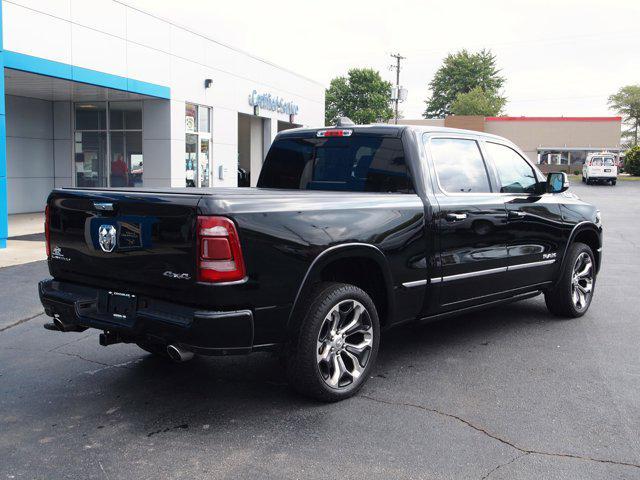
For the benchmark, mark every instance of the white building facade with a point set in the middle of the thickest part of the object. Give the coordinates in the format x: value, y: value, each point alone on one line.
x: 100, y: 94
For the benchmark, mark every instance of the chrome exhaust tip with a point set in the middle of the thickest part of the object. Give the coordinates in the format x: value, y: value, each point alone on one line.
x: 63, y: 326
x: 179, y: 354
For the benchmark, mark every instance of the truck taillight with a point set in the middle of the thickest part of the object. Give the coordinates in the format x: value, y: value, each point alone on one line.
x: 219, y: 253
x: 47, y: 235
x: 336, y: 132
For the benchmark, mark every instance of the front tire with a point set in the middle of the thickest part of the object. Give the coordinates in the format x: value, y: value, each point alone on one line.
x: 572, y: 295
x: 337, y: 342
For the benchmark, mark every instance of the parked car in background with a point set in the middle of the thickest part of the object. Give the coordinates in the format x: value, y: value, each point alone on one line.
x: 600, y: 168
x: 352, y: 230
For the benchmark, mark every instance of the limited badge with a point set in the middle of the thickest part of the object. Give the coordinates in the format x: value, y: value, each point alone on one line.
x: 56, y: 254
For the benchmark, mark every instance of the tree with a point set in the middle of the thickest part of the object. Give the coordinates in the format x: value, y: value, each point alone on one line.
x: 632, y: 161
x: 461, y: 72
x: 363, y: 96
x: 478, y: 102
x: 627, y: 103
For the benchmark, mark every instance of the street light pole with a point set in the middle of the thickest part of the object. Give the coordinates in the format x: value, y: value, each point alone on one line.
x: 398, y: 58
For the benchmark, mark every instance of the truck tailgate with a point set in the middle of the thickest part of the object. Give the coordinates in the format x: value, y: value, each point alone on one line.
x: 124, y: 238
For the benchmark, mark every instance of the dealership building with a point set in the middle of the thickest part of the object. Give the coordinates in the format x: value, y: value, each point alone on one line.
x: 101, y: 94
x: 555, y: 143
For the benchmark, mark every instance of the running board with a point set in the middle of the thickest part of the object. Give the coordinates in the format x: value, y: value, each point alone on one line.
x: 482, y: 306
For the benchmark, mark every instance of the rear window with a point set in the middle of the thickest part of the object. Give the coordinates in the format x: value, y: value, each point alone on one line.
x: 360, y: 163
x: 600, y: 161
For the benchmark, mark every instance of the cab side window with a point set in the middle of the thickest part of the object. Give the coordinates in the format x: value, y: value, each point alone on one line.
x: 459, y: 165
x: 515, y: 175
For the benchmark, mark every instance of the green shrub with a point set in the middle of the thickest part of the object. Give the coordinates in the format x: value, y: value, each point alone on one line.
x: 632, y: 161
x: 577, y: 172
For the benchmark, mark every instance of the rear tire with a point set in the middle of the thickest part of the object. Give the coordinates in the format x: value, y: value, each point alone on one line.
x: 336, y: 343
x: 572, y: 295
x: 613, y: 182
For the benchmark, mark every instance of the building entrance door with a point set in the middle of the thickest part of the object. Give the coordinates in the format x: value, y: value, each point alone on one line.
x: 204, y: 163
x: 198, y: 146
x: 191, y: 159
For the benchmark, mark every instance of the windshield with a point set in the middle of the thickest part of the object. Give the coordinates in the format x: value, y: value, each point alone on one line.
x: 359, y: 163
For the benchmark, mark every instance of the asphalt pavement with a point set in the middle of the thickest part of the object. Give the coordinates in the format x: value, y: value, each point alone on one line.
x: 508, y: 393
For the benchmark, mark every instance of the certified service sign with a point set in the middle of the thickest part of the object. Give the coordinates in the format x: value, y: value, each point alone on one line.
x: 274, y: 104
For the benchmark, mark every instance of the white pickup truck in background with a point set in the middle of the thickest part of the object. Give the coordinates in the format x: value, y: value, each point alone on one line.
x: 600, y: 167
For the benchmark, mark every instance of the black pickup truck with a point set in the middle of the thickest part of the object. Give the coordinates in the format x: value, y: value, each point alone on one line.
x: 351, y: 230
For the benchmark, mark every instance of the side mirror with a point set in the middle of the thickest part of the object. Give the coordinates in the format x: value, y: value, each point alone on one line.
x: 557, y: 182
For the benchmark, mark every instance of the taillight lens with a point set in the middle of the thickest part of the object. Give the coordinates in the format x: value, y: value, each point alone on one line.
x: 47, y: 234
x: 219, y: 253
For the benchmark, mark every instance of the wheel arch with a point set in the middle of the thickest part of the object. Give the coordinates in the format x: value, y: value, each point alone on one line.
x: 589, y: 234
x: 360, y: 264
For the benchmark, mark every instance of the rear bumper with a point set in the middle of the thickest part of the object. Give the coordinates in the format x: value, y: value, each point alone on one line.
x: 201, y: 331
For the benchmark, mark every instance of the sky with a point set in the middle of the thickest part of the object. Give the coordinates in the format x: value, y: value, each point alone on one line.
x: 559, y: 58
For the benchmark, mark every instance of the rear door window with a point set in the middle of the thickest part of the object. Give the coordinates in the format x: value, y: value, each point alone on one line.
x: 459, y: 165
x: 359, y: 163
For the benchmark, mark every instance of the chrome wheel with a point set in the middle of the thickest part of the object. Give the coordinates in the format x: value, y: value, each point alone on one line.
x: 582, y: 281
x: 344, y: 343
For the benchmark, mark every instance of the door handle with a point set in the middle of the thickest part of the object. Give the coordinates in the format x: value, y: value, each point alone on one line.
x: 456, y: 217
x: 516, y: 214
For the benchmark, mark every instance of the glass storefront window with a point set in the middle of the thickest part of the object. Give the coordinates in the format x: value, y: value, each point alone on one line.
x: 108, y: 144
x: 190, y: 117
x: 204, y: 121
x: 197, y: 145
x: 89, y: 154
x: 91, y: 116
x: 125, y: 116
x: 126, y: 159
x: 133, y: 144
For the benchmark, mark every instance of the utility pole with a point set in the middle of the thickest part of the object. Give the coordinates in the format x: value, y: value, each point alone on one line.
x: 396, y: 67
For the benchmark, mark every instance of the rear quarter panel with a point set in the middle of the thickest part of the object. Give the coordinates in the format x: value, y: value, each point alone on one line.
x: 281, y: 237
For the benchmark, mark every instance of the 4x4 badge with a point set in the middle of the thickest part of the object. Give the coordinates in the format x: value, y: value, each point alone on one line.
x: 178, y: 276
x: 107, y: 237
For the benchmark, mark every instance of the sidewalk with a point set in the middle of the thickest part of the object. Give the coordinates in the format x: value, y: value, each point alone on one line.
x: 26, y: 240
